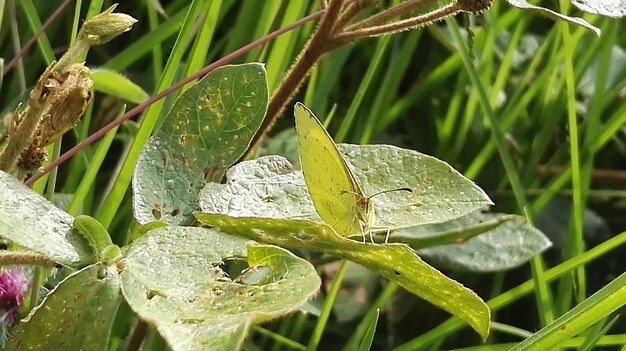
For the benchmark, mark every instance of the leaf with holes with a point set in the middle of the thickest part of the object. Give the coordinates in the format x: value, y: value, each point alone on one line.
x: 209, y: 127
x: 89, y: 297
x: 396, y: 262
x: 174, y: 280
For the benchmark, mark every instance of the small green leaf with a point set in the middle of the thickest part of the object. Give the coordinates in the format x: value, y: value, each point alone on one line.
x: 89, y: 297
x: 174, y: 280
x: 506, y: 246
x: 209, y: 127
x: 115, y: 84
x: 522, y: 4
x: 396, y: 262
x: 31, y: 221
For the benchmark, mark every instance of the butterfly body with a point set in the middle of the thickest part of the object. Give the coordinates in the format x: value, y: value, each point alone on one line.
x: 336, y: 195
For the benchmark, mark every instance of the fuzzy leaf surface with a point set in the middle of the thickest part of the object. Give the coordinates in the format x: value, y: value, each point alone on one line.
x: 209, y: 127
x: 174, y: 280
x: 31, y: 221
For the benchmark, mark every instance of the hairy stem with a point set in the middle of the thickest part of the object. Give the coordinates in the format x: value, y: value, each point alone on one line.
x: 24, y: 258
x: 320, y: 43
x: 407, y: 24
x: 391, y: 13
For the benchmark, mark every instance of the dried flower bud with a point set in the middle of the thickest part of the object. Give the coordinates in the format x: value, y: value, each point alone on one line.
x: 68, y: 94
x: 32, y: 157
x: 474, y: 6
x: 105, y: 26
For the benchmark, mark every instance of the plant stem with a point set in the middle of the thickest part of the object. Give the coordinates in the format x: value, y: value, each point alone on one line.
x: 22, y: 258
x: 137, y: 336
x: 391, y: 13
x: 407, y: 24
x: 320, y: 43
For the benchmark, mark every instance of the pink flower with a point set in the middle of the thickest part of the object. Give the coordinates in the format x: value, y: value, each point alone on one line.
x: 13, y: 286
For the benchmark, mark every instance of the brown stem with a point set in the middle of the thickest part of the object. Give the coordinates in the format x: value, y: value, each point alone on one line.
x: 320, y: 43
x: 407, y: 24
x: 137, y: 336
x: 352, y: 10
x: 391, y: 13
x: 24, y: 258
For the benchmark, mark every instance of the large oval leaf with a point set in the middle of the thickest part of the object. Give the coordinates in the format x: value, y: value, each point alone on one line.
x: 209, y: 127
x: 173, y: 279
x: 270, y: 187
x: 31, y: 221
x: 77, y: 315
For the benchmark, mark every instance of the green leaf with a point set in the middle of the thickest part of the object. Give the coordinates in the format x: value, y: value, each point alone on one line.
x: 31, y: 221
x: 396, y: 262
x: 270, y: 187
x: 508, y: 245
x: 524, y: 5
x: 594, y: 308
x: 209, y: 127
x: 89, y: 297
x: 456, y: 231
x: 115, y: 84
x: 174, y: 280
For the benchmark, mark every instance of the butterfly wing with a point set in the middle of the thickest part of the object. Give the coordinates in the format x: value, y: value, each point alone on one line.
x: 336, y: 195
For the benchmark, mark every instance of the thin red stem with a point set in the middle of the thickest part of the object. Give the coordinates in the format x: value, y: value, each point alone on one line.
x: 139, y: 108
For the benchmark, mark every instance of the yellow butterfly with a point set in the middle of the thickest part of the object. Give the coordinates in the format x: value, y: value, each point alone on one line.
x: 336, y: 195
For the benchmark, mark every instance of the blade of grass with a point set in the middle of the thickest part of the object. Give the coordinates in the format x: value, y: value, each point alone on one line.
x: 279, y: 338
x: 597, y: 306
x: 282, y: 50
x: 381, y: 301
x: 89, y: 176
x: 327, y: 308
x: 35, y: 24
x: 366, y: 344
x: 453, y: 324
x: 156, y: 54
x: 543, y: 296
x: 399, y: 62
x: 374, y: 66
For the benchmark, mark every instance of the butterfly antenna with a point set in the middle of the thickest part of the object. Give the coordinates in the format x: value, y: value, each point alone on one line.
x: 389, y: 191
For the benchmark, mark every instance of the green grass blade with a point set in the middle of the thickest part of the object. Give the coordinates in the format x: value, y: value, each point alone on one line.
x: 366, y: 344
x: 596, y: 307
x: 327, y: 308
x: 35, y: 24
x: 454, y: 324
x: 375, y: 65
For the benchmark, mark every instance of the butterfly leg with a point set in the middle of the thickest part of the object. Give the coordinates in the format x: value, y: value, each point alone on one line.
x: 362, y: 231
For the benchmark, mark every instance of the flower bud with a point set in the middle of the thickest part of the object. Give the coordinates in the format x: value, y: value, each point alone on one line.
x: 68, y: 93
x: 105, y: 26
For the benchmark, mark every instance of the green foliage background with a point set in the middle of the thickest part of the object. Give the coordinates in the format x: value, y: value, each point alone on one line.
x: 533, y: 112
